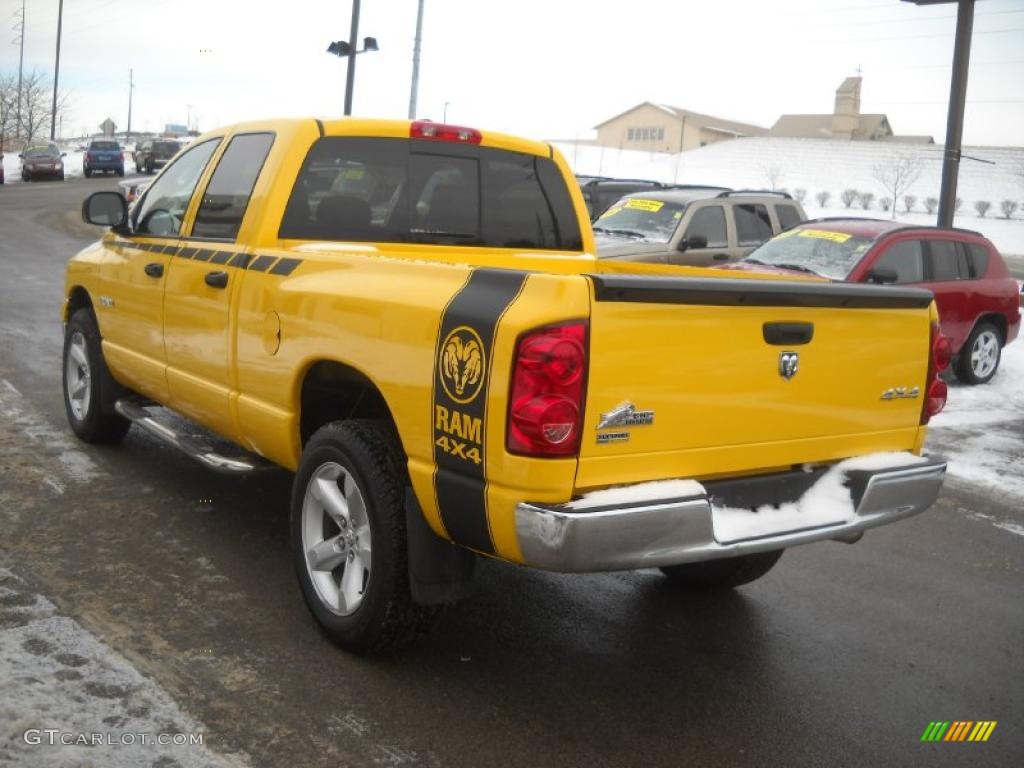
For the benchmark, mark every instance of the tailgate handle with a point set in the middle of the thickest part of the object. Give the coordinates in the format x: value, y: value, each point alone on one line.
x: 788, y: 334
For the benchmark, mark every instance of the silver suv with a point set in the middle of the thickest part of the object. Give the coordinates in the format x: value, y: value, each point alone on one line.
x: 695, y: 226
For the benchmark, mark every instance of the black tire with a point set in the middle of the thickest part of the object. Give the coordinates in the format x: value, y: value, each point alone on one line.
x: 120, y: 171
x: 61, y: 176
x: 25, y: 176
x: 87, y: 171
x: 976, y: 355
x: 384, y: 615
x: 723, y: 574
x: 149, y: 167
x: 93, y: 420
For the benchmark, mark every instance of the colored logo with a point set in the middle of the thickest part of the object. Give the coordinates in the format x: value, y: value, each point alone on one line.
x: 462, y: 364
x: 958, y: 730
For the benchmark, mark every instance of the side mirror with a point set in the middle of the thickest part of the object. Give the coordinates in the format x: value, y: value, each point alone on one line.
x: 21, y: 156
x: 63, y: 154
x: 882, y: 275
x: 693, y: 241
x: 106, y: 209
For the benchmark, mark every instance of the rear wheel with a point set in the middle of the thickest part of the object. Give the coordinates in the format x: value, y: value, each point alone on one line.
x: 87, y: 171
x: 88, y: 386
x: 980, y: 354
x: 149, y: 166
x: 723, y: 574
x: 348, y: 538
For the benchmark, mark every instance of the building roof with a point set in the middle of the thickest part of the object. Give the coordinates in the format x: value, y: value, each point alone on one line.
x: 820, y: 126
x: 705, y: 121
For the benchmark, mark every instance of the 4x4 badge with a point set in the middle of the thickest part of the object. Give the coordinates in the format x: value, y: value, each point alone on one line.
x: 625, y: 415
x: 789, y: 362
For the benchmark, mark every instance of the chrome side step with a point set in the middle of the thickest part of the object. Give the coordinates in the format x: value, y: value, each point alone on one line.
x: 138, y: 415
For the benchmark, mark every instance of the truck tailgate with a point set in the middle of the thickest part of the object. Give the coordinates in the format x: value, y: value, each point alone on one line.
x: 737, y: 376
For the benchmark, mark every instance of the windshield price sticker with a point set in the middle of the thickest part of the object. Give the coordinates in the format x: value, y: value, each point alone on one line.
x: 820, y: 234
x: 645, y: 205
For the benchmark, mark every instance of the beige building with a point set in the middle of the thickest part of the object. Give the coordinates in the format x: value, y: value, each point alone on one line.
x: 846, y: 121
x: 661, y: 128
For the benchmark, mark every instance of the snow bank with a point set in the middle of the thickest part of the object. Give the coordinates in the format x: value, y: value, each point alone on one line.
x: 980, y: 429
x: 825, y: 165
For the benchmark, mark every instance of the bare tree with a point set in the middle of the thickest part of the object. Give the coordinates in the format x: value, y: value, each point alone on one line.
x: 1008, y: 207
x: 885, y: 203
x: 909, y: 201
x: 849, y: 197
x: 823, y: 198
x: 930, y: 204
x: 957, y: 202
x: 866, y: 199
x: 982, y: 206
x: 36, y: 107
x: 773, y: 174
x: 800, y: 194
x: 898, y: 174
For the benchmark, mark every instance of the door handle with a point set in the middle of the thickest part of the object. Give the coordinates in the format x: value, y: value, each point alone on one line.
x: 154, y: 270
x: 216, y: 279
x: 721, y: 257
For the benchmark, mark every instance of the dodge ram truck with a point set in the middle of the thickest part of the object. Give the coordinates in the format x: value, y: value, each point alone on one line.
x: 409, y: 316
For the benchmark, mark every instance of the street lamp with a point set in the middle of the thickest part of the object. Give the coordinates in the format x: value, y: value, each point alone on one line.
x: 343, y: 49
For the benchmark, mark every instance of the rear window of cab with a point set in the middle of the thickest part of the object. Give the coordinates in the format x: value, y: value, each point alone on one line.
x: 417, y: 191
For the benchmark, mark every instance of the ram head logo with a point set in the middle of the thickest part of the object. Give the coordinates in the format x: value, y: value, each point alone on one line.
x: 462, y: 364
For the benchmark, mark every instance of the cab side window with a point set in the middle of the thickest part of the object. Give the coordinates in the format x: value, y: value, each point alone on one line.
x: 753, y: 225
x: 166, y: 201
x: 788, y: 216
x: 709, y: 221
x: 943, y: 261
x: 905, y: 259
x: 977, y: 259
x: 227, y: 195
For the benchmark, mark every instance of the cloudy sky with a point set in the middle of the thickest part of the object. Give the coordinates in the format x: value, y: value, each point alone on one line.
x: 542, y: 68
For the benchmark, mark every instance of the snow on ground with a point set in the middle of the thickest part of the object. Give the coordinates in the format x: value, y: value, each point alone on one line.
x: 981, y: 430
x: 826, y: 165
x: 50, y: 661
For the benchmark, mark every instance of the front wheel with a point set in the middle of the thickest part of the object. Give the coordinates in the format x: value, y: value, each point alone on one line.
x: 348, y: 538
x: 723, y: 574
x: 88, y: 384
x: 87, y: 171
x: 979, y: 357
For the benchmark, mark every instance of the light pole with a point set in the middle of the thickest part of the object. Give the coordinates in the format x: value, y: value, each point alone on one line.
x: 56, y: 74
x: 131, y: 87
x: 444, y: 116
x: 342, y: 49
x: 414, y: 90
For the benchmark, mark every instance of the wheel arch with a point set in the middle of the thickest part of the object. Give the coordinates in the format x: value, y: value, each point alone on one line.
x: 330, y: 390
x: 996, y: 319
x: 78, y: 298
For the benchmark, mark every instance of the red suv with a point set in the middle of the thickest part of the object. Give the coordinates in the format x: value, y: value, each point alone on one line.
x: 978, y: 300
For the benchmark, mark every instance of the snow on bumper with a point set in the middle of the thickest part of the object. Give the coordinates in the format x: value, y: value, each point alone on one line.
x: 681, y: 521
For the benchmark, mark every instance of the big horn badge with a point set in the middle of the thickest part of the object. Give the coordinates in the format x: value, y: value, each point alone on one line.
x: 462, y: 364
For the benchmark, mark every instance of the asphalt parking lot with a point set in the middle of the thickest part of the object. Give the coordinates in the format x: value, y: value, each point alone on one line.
x: 840, y: 656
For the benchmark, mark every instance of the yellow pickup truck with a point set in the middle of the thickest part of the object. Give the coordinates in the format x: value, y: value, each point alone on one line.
x: 409, y: 316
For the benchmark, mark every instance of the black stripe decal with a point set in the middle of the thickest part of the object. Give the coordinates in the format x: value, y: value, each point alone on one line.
x: 285, y: 266
x: 188, y: 253
x: 203, y: 254
x: 462, y: 363
x: 220, y: 257
x: 261, y: 263
x: 240, y: 260
x: 726, y: 292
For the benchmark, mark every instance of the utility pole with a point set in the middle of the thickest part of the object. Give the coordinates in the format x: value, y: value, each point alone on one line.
x: 56, y: 76
x: 350, y: 79
x: 131, y: 87
x: 21, y: 66
x: 414, y: 91
x: 955, y: 118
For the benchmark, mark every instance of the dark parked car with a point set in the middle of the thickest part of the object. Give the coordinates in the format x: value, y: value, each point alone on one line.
x: 153, y: 154
x: 978, y: 300
x: 42, y: 161
x: 599, y: 192
x: 103, y: 155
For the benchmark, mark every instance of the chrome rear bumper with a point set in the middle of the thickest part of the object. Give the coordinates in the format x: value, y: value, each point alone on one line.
x: 681, y: 530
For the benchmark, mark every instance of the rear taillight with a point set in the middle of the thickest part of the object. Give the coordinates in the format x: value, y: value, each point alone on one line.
x: 545, y: 412
x: 424, y: 129
x: 940, y: 353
